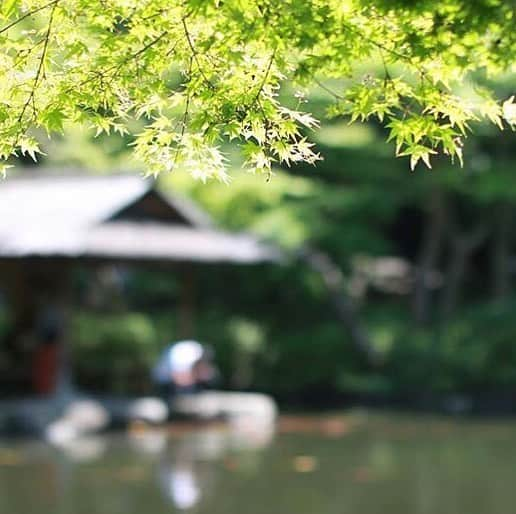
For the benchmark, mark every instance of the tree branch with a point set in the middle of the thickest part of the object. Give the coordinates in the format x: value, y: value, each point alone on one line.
x: 27, y: 15
x: 39, y: 71
x: 265, y: 77
x: 117, y: 67
x: 333, y: 279
x: 407, y: 58
x: 195, y: 53
x: 327, y: 89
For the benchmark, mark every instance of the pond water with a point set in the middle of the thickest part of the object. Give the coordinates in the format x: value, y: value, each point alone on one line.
x: 337, y: 464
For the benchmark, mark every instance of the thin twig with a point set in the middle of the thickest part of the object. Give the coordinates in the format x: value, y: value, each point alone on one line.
x: 40, y: 65
x: 183, y: 121
x: 27, y: 15
x: 381, y: 46
x: 183, y: 130
x: 388, y: 77
x: 147, y: 46
x: 327, y: 89
x: 265, y: 76
x: 195, y: 53
x: 117, y: 67
x: 22, y: 59
x: 320, y: 84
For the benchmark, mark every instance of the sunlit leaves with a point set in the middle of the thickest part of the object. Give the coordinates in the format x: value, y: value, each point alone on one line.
x: 199, y: 74
x: 509, y: 111
x: 29, y: 146
x: 7, y: 7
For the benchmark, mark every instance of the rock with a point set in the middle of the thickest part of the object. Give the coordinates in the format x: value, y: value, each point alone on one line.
x: 151, y: 410
x: 80, y: 417
x: 212, y: 404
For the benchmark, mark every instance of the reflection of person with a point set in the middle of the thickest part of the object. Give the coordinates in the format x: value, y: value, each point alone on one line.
x: 184, y: 367
x: 180, y: 484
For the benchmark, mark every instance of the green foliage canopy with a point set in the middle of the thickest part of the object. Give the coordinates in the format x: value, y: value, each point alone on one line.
x: 200, y: 73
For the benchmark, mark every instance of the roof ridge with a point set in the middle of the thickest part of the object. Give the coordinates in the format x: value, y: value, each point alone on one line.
x: 45, y: 173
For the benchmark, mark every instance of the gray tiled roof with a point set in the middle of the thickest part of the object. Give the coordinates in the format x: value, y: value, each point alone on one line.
x: 76, y: 216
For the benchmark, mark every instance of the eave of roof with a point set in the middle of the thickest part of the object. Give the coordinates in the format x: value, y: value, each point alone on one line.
x: 72, y: 217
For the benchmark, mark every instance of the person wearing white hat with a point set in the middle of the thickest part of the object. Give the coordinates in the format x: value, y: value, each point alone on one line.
x: 183, y: 367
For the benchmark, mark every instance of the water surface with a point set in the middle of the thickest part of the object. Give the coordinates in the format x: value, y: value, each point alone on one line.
x: 339, y: 464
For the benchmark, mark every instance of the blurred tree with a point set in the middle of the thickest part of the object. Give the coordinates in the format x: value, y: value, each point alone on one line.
x: 202, y: 72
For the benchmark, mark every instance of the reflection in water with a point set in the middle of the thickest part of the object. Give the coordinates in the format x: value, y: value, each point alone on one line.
x: 392, y: 465
x: 178, y: 475
x: 85, y: 449
x: 178, y: 454
x: 180, y: 484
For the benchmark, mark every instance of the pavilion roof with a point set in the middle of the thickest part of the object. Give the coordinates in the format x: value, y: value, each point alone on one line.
x: 113, y: 217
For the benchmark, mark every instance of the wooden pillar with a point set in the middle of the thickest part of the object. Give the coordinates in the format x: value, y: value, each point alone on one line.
x: 18, y: 343
x: 61, y: 305
x: 186, y: 312
x: 21, y: 298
